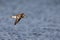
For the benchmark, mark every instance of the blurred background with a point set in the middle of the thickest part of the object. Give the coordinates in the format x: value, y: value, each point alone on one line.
x: 42, y: 21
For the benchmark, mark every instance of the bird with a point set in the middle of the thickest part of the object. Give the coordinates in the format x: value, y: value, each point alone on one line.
x: 18, y: 17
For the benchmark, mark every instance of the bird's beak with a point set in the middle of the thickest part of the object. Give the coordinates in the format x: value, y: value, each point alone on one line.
x: 13, y: 16
x: 25, y: 16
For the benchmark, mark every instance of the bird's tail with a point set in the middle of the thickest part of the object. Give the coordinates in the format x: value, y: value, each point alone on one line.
x: 13, y: 16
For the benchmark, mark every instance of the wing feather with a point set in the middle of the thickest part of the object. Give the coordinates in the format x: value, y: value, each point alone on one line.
x: 17, y: 20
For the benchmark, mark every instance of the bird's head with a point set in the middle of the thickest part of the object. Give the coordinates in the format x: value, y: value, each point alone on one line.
x: 22, y: 15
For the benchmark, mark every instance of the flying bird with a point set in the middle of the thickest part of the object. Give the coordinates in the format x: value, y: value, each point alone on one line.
x: 18, y: 17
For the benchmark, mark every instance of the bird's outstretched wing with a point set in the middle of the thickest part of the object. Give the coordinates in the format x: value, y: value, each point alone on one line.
x: 17, y: 20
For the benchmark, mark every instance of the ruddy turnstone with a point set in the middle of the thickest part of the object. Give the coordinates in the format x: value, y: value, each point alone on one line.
x: 18, y: 17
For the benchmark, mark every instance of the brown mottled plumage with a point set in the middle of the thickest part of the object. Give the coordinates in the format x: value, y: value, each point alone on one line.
x: 18, y: 17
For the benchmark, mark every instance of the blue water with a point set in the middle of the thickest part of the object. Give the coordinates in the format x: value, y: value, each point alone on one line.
x: 42, y: 21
